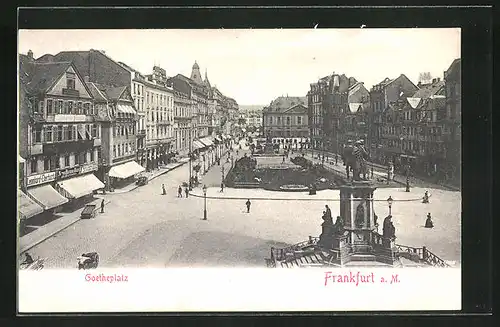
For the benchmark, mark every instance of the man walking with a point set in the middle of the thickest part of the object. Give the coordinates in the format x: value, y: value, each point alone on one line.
x: 248, y: 203
x: 163, y: 192
x: 221, y: 187
x: 186, y: 191
x: 102, y: 206
x: 179, y: 192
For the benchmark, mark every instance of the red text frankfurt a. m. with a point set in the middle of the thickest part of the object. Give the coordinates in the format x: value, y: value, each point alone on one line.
x: 349, y: 278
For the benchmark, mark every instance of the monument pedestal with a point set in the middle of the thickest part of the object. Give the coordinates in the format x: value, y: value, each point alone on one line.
x: 359, y: 240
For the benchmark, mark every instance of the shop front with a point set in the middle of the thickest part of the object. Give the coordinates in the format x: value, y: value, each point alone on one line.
x: 26, y: 207
x: 125, y: 173
x: 39, y: 189
x: 78, y: 184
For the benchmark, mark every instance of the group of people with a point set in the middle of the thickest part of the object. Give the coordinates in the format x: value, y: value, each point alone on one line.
x: 179, y: 191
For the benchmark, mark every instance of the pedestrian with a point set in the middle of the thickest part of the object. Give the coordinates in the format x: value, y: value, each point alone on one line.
x: 428, y: 221
x: 163, y: 191
x: 248, y: 203
x: 186, y: 190
x: 426, y: 197
x: 179, y: 192
x: 102, y: 206
x: 222, y: 187
x: 283, y: 158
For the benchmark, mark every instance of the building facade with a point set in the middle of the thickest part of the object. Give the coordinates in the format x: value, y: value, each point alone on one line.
x: 64, y: 138
x: 452, y: 121
x: 183, y: 115
x: 383, y: 96
x: 327, y: 103
x: 116, y: 111
x: 285, y: 121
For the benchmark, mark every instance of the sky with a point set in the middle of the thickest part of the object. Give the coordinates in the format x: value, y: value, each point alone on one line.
x: 254, y: 66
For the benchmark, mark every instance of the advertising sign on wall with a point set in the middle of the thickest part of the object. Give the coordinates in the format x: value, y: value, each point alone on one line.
x: 41, y: 178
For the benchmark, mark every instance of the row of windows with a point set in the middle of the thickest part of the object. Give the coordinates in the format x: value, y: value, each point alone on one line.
x: 123, y: 149
x: 289, y: 134
x: 281, y: 120
x: 396, y: 130
x: 160, y: 116
x: 64, y: 133
x: 159, y: 132
x: 124, y: 130
x: 59, y: 162
x: 65, y: 107
x: 418, y: 147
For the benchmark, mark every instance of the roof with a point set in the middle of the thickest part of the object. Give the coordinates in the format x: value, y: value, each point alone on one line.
x: 282, y: 103
x: 114, y: 93
x: 297, y: 109
x: 42, y: 76
x: 454, y: 67
x: 97, y: 94
x: 430, y: 89
x: 354, y: 107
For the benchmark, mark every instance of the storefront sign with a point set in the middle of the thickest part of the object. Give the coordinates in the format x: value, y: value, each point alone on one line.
x: 88, y: 168
x: 69, y: 172
x: 41, y: 178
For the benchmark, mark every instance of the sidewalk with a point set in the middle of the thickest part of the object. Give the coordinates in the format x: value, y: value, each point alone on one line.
x: 151, y: 175
x: 44, y: 232
x: 67, y: 219
x: 381, y: 170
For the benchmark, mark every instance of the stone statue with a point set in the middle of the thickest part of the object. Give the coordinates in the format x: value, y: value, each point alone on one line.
x: 339, y: 225
x: 355, y: 158
x: 360, y: 216
x: 389, y: 231
x: 327, y: 231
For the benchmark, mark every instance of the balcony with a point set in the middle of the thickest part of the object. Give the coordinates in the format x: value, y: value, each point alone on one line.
x: 71, y: 92
x: 36, y: 149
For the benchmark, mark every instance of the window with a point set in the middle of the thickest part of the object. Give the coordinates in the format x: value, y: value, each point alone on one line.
x: 47, y: 134
x: 299, y: 120
x: 77, y: 158
x: 66, y: 108
x: 49, y: 107
x: 79, y: 108
x: 33, y: 165
x: 58, y: 106
x: 88, y: 131
x: 86, y: 108
x: 92, y: 156
x: 288, y: 120
x: 70, y: 80
x: 40, y: 107
x: 82, y: 157
x: 94, y: 130
x: 70, y: 108
x: 66, y: 160
x: 37, y: 134
x: 114, y: 150
x: 54, y: 162
x: 68, y: 133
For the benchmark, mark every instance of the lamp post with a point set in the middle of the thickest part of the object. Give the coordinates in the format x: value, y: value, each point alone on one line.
x: 205, y: 202
x: 389, y: 201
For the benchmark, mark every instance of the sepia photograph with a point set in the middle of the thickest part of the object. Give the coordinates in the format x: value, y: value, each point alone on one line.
x: 237, y: 154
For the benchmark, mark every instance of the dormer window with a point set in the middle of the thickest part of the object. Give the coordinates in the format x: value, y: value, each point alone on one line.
x: 70, y: 80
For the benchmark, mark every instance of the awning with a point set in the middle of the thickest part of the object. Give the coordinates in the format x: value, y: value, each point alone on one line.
x: 47, y: 196
x: 126, y: 170
x: 207, y: 141
x: 79, y: 186
x: 26, y: 206
x: 198, y: 145
x: 126, y: 109
x: 20, y: 159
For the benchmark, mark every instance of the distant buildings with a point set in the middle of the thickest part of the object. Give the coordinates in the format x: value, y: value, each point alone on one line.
x: 285, y: 121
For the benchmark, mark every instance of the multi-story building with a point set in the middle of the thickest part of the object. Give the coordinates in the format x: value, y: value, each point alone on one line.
x: 355, y: 121
x: 116, y: 111
x: 285, y: 121
x: 383, y: 96
x: 327, y: 103
x: 159, y: 110
x: 411, y: 134
x: 452, y: 126
x: 63, y: 137
x: 183, y: 115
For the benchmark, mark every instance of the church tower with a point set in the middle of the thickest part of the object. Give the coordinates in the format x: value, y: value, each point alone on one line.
x: 195, y: 74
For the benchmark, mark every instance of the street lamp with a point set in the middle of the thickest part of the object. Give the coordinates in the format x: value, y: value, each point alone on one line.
x: 389, y: 201
x: 205, y: 202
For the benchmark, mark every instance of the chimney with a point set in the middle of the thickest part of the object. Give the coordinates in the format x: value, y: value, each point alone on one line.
x: 30, y: 55
x: 419, y: 83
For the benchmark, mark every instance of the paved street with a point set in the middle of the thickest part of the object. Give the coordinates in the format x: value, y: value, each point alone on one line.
x: 144, y: 228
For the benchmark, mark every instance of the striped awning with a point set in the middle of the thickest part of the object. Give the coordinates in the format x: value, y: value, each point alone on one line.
x: 47, y: 196
x: 26, y: 206
x: 198, y: 145
x: 126, y: 170
x: 207, y: 141
x: 126, y: 109
x: 79, y: 186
